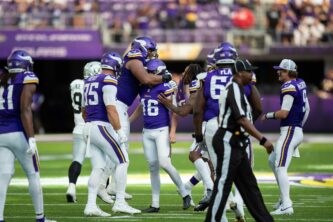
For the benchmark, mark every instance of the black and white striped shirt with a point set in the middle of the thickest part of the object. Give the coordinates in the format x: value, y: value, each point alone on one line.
x: 233, y: 106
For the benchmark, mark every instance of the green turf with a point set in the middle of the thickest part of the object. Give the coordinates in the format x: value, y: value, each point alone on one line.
x: 310, y: 204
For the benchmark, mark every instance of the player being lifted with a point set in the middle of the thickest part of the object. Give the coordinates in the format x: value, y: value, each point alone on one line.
x: 156, y: 141
x: 79, y: 146
x: 197, y: 155
x: 293, y: 115
x: 17, y: 140
x: 104, y: 135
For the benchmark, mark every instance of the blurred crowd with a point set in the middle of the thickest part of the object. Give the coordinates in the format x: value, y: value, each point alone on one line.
x: 298, y: 22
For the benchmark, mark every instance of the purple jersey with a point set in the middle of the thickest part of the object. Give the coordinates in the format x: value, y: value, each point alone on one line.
x: 10, y: 119
x: 297, y: 89
x: 214, y: 83
x: 93, y: 97
x: 181, y: 96
x: 128, y: 84
x: 155, y: 114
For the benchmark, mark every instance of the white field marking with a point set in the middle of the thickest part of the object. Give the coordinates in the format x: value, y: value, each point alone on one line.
x: 321, y: 167
x: 144, y: 179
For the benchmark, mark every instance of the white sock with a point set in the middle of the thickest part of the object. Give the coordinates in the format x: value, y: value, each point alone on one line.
x: 194, y: 180
x: 93, y: 184
x: 240, y: 203
x: 120, y: 177
x: 36, y: 192
x: 155, y: 182
x: 165, y: 164
x: 4, y: 182
x: 284, y: 186
x: 204, y: 171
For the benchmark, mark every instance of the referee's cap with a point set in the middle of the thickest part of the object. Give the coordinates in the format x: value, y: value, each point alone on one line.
x: 286, y: 64
x: 244, y: 65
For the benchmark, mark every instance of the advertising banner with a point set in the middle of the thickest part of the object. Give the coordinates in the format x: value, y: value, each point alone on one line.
x: 52, y: 44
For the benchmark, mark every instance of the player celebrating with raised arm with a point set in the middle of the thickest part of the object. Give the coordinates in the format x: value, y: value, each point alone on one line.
x: 293, y: 115
x: 156, y: 141
x: 17, y: 140
x: 104, y: 135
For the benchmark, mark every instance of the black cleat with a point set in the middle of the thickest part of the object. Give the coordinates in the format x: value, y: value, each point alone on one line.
x: 70, y: 198
x: 207, y: 197
x: 201, y: 207
x: 151, y: 209
x: 186, y: 202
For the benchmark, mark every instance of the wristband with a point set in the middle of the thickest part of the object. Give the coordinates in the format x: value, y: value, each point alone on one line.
x: 270, y: 115
x: 198, y: 138
x: 263, y: 141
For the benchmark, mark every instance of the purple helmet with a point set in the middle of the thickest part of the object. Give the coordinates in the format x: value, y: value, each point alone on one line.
x: 146, y: 45
x: 112, y: 61
x: 156, y: 66
x: 225, y: 53
x: 19, y: 61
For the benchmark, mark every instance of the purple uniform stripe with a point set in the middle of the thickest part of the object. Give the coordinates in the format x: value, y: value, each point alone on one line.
x: 35, y: 162
x: 113, y: 143
x: 284, y: 151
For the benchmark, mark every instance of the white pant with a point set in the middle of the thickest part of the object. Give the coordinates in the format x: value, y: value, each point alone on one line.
x: 103, y: 141
x: 79, y: 148
x: 290, y: 138
x: 15, y: 145
x: 122, y: 109
x: 211, y: 128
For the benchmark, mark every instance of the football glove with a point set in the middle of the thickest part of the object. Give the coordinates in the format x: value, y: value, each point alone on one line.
x: 32, y: 146
x: 122, y: 136
x: 173, y: 84
x: 166, y: 77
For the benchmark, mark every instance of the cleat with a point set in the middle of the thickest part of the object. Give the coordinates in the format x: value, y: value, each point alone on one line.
x: 240, y: 219
x: 95, y: 211
x: 283, y: 211
x: 187, y: 202
x: 234, y: 207
x: 207, y: 197
x: 189, y: 191
x: 277, y: 205
x: 103, y: 195
x: 44, y: 219
x: 123, y: 207
x: 201, y: 207
x: 151, y: 209
x: 71, y: 193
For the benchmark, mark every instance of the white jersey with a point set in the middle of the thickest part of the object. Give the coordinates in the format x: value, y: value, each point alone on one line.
x: 76, y: 88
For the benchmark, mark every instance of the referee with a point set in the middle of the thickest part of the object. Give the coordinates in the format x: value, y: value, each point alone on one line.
x: 229, y: 142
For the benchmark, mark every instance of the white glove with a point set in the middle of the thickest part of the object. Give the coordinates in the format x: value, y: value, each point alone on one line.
x: 173, y: 84
x: 122, y: 136
x: 32, y: 146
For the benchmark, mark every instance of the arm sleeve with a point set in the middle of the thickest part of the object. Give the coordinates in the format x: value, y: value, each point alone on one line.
x: 307, y: 111
x: 234, y: 99
x: 287, y: 102
x: 109, y: 95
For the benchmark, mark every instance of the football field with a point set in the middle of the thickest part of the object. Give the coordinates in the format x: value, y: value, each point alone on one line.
x: 311, y: 190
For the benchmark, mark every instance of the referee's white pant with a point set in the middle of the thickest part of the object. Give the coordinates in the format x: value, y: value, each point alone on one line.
x: 233, y: 166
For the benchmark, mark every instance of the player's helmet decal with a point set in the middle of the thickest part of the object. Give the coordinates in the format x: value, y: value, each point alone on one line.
x: 19, y: 61
x: 225, y: 54
x: 156, y: 66
x: 91, y: 69
x: 146, y: 45
x: 113, y: 61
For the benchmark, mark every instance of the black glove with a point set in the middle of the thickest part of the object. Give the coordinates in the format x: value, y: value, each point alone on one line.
x: 198, y: 138
x: 166, y: 77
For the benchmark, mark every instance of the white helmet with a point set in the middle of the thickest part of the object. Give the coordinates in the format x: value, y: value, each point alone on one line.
x: 91, y: 69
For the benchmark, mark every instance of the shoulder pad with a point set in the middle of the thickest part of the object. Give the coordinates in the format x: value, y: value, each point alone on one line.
x: 108, y: 79
x: 195, y: 85
x: 134, y: 53
x: 201, y: 76
x: 30, y: 77
x: 76, y: 82
x: 288, y: 87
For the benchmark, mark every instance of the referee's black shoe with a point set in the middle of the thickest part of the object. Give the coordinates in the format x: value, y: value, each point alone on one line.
x: 201, y: 206
x: 186, y: 202
x: 207, y: 197
x: 151, y: 209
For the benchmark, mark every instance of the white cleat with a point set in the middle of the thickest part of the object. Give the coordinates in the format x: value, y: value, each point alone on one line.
x: 71, y: 193
x: 104, y: 196
x: 283, y: 211
x: 95, y: 211
x: 123, y: 207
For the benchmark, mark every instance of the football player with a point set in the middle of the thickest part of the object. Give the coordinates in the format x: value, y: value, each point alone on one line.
x: 104, y: 135
x: 293, y: 115
x: 197, y: 155
x: 156, y: 141
x: 17, y: 140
